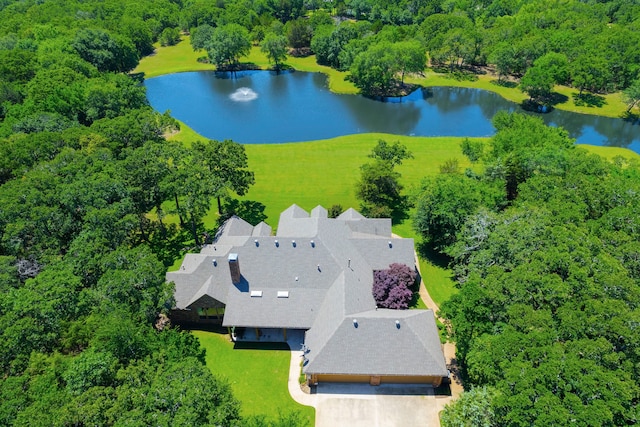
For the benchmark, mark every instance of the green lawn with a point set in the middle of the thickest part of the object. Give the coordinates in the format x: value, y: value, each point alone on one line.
x: 172, y: 59
x: 258, y: 377
x: 610, y: 153
x: 325, y: 172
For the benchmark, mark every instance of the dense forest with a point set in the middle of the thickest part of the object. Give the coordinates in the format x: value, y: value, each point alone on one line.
x: 545, y: 249
x: 543, y: 241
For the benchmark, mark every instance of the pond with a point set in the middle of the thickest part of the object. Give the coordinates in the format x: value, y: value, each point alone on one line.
x: 257, y: 107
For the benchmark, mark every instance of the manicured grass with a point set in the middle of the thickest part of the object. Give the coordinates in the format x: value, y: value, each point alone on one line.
x: 172, y: 59
x: 186, y: 135
x: 325, y: 172
x: 438, y: 281
x: 610, y: 153
x: 258, y: 377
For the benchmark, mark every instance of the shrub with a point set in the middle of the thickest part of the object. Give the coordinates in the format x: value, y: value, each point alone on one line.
x: 392, y: 287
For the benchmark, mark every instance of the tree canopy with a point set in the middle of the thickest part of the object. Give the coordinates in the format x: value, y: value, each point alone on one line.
x: 86, y: 179
x: 379, y: 188
x: 548, y: 281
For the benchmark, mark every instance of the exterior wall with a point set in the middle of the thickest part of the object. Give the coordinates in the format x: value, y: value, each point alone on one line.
x: 206, y: 311
x: 435, y: 381
x: 383, y: 379
x: 336, y: 378
x: 184, y: 316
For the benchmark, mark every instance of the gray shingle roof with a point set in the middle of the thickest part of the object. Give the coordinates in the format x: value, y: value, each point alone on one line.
x: 305, y: 270
x: 324, y: 267
x: 378, y: 347
x: 319, y: 212
x: 261, y: 229
x: 351, y: 214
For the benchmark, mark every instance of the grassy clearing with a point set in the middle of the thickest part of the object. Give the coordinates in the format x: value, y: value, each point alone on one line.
x: 325, y: 172
x: 258, y: 377
x: 438, y: 281
x: 610, y: 153
x: 186, y: 135
x: 172, y: 59
x: 181, y: 57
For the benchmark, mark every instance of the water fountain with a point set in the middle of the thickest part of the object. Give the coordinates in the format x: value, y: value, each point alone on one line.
x: 243, y: 94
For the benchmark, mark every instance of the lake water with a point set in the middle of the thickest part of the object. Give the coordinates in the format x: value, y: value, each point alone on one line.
x: 256, y: 107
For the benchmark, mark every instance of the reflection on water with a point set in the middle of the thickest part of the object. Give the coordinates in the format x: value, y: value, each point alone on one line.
x: 296, y: 106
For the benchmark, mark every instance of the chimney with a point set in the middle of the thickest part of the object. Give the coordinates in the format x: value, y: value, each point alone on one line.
x: 234, y: 268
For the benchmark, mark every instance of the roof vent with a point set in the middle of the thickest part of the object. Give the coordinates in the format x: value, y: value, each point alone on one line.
x: 355, y: 323
x: 398, y: 324
x: 283, y: 294
x: 256, y: 294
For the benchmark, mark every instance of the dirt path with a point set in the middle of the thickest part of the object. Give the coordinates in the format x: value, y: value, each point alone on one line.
x: 449, y: 347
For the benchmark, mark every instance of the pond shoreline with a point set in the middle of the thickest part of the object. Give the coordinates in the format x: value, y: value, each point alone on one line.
x: 181, y: 58
x: 295, y: 106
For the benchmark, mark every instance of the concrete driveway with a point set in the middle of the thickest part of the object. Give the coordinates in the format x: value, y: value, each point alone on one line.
x: 362, y: 405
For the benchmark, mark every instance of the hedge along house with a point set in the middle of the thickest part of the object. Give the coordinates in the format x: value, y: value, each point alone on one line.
x: 314, y: 275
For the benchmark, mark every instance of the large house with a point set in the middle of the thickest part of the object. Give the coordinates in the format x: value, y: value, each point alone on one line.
x: 314, y: 275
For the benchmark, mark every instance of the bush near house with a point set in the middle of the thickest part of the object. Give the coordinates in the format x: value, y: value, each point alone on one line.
x: 392, y: 287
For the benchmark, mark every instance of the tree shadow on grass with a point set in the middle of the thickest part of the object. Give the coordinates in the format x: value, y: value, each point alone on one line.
x: 588, y: 100
x: 427, y: 252
x: 399, y: 216
x: 631, y: 117
x: 249, y: 210
x: 251, y: 345
x: 556, y: 98
x: 400, y: 210
x: 504, y: 83
x: 415, y: 288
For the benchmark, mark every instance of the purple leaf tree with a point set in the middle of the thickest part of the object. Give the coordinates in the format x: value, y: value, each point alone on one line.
x: 392, y: 287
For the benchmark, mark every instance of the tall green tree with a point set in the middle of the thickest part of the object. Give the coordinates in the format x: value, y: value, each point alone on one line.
x: 106, y: 52
x: 537, y: 82
x: 631, y: 95
x: 227, y: 163
x: 275, y: 47
x: 227, y: 44
x: 379, y: 189
x: 372, y: 71
x: 410, y: 56
x: 445, y: 202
